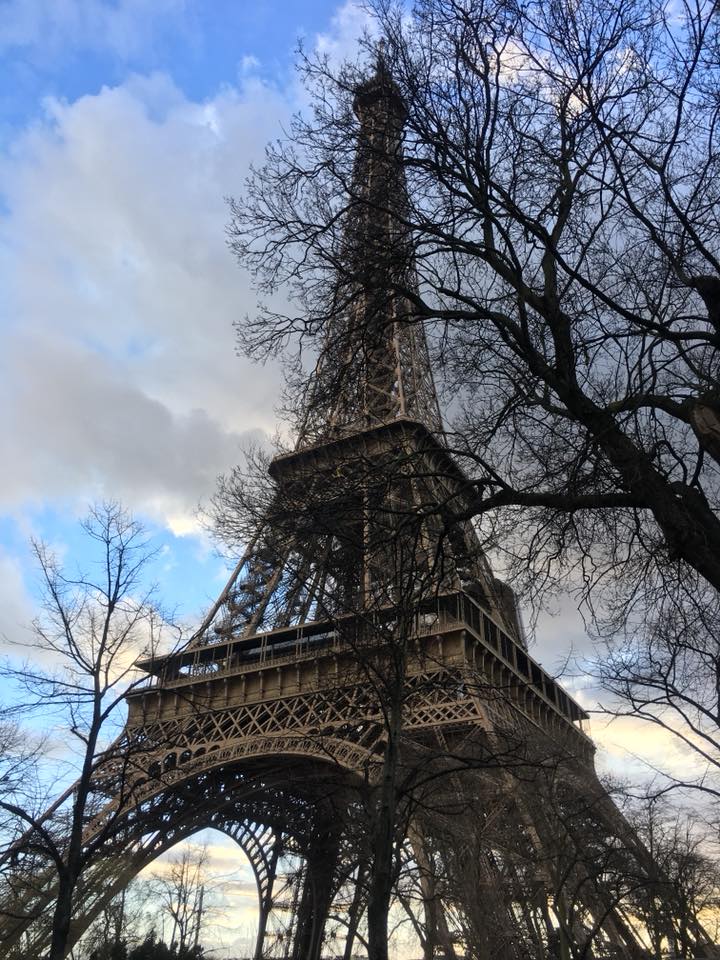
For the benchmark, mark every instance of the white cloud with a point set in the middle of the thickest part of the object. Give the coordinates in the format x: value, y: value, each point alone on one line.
x: 249, y: 63
x: 124, y: 27
x: 637, y: 749
x: 16, y: 609
x: 349, y: 22
x: 118, y: 373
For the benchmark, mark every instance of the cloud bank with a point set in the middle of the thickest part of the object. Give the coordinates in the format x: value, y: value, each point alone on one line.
x: 118, y: 374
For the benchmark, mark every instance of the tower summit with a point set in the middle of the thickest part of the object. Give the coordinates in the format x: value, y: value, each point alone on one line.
x: 374, y: 364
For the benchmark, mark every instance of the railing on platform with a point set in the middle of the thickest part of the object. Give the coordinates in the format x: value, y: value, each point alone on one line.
x: 308, y: 641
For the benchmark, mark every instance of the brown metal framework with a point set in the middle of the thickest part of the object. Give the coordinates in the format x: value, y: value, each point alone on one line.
x: 270, y: 724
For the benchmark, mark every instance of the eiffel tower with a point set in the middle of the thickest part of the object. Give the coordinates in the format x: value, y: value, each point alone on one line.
x: 364, y: 582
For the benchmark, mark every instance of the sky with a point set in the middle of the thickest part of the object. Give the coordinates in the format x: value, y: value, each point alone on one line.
x: 124, y: 126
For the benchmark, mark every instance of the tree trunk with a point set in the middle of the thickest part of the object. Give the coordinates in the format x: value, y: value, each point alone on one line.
x: 355, y: 912
x: 61, y: 920
x: 381, y: 869
x: 689, y: 525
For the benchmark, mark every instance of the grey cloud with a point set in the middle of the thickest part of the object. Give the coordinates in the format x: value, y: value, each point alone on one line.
x: 561, y: 631
x: 119, y: 372
x: 81, y: 426
x: 119, y: 367
x: 16, y: 609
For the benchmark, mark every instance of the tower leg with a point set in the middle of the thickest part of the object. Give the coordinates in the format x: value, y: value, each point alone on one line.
x: 436, y: 929
x: 315, y: 901
x: 267, y: 899
x: 356, y: 910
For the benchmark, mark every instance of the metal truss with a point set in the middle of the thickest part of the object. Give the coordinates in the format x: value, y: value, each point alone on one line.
x: 270, y: 723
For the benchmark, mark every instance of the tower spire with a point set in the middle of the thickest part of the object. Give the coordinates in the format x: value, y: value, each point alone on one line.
x: 374, y: 366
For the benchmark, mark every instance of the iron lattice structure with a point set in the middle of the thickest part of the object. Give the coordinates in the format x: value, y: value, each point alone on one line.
x: 271, y: 724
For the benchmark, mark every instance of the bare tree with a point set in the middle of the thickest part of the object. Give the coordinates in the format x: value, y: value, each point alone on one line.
x: 182, y: 891
x: 685, y: 850
x: 118, y: 927
x: 23, y: 790
x: 664, y: 669
x: 20, y: 752
x: 561, y: 170
x: 558, y: 243
x: 90, y: 630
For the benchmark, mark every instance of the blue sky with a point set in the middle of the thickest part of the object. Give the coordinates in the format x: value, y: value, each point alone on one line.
x: 69, y: 48
x: 123, y: 125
